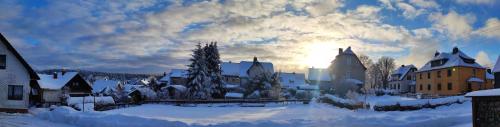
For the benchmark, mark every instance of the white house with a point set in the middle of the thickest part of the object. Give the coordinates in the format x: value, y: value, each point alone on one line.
x: 17, y: 80
x: 403, y: 79
x: 54, y: 85
x: 292, y: 80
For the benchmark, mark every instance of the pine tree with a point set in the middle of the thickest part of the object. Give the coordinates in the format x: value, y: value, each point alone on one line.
x: 198, y: 78
x: 213, y: 59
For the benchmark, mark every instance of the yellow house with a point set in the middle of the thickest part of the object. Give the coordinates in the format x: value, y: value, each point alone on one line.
x: 451, y: 74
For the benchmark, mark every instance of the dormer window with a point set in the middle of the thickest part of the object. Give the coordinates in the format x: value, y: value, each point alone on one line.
x: 438, y: 62
x: 467, y: 60
x: 3, y: 61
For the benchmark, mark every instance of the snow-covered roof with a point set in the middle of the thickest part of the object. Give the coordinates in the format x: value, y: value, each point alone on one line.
x: 308, y: 87
x: 403, y: 70
x: 165, y: 79
x: 454, y: 60
x: 231, y: 86
x: 49, y: 82
x: 292, y: 79
x: 319, y: 74
x: 102, y: 84
x: 234, y: 95
x: 474, y: 79
x: 490, y: 92
x: 489, y: 76
x: 180, y: 73
x: 230, y: 68
x: 497, y: 65
x: 355, y: 81
x: 245, y: 65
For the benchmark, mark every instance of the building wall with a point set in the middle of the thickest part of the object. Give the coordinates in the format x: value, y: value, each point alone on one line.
x: 458, y: 79
x: 347, y: 67
x: 235, y: 80
x: 51, y: 95
x: 13, y: 74
x: 404, y: 85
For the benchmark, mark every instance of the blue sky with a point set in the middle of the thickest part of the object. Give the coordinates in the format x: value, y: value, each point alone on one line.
x: 153, y: 36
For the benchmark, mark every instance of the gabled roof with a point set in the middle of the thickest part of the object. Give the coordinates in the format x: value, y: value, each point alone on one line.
x: 319, y: 74
x: 245, y: 65
x: 30, y: 70
x: 497, y: 65
x: 403, y: 70
x: 230, y: 69
x: 348, y: 51
x: 454, y: 60
x: 102, y: 84
x: 297, y: 78
x: 49, y: 82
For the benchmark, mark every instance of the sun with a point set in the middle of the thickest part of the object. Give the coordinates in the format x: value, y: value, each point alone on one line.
x: 319, y: 55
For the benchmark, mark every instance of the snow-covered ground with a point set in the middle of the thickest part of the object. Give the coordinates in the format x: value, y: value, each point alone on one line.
x: 313, y: 114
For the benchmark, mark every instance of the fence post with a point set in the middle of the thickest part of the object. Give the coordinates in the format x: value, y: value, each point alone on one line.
x: 83, y: 104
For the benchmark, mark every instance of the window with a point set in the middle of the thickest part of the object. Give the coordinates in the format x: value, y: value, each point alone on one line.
x: 408, y: 77
x: 399, y: 86
x: 3, y: 61
x: 449, y: 72
x: 428, y: 75
x: 429, y: 87
x: 421, y: 87
x: 15, y: 92
x: 439, y: 86
x: 450, y: 86
x: 420, y: 75
x: 474, y: 72
x: 439, y: 74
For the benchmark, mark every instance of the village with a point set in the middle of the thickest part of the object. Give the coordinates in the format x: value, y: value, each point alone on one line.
x: 451, y: 80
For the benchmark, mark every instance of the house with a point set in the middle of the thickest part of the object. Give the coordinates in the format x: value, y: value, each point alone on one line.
x: 259, y: 80
x: 402, y: 80
x: 177, y: 77
x: 246, y: 72
x: 451, y: 74
x: 319, y: 77
x: 347, y: 72
x: 485, y: 107
x: 230, y: 73
x: 292, y: 80
x: 104, y: 86
x: 496, y: 73
x: 55, y: 86
x: 18, y: 86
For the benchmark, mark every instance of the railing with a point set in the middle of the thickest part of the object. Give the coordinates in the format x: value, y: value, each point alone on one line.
x: 187, y: 101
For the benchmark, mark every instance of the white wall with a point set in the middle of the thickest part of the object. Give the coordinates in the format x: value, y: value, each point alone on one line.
x: 14, y: 74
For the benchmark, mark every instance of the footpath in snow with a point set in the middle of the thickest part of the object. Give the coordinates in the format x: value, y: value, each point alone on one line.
x: 314, y: 114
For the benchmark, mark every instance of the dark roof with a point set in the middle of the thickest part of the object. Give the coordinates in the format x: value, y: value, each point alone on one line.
x: 30, y: 70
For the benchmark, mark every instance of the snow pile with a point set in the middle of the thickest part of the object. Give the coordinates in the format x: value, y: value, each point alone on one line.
x: 420, y: 102
x: 234, y: 95
x: 96, y: 119
x: 340, y: 100
x: 490, y: 92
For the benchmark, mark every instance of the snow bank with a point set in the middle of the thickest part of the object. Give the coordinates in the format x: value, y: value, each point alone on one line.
x: 340, y: 100
x: 420, y: 102
x: 70, y: 116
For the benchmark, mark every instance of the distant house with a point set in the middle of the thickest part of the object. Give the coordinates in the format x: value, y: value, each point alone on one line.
x: 320, y: 77
x: 496, y: 73
x: 176, y: 77
x: 235, y: 74
x: 292, y: 80
x: 246, y: 70
x: 402, y: 80
x: 54, y: 85
x: 104, y: 86
x: 451, y: 74
x: 230, y: 73
x: 347, y: 72
x: 18, y: 84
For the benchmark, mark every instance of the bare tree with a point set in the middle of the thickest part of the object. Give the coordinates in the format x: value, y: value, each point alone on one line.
x: 368, y: 63
x: 386, y: 65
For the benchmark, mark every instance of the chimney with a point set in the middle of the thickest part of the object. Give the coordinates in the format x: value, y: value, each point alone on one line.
x: 54, y: 75
x: 455, y: 50
x: 63, y: 71
x: 255, y: 59
x: 436, y: 54
x: 403, y: 65
x: 340, y: 51
x: 164, y: 74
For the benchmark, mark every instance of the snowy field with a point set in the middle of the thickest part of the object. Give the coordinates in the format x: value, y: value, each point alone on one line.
x: 314, y: 114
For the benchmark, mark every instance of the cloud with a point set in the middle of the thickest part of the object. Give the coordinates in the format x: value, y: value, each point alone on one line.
x: 387, y: 4
x: 484, y: 2
x: 409, y: 12
x: 491, y: 29
x: 483, y: 59
x: 425, y: 3
x: 455, y: 25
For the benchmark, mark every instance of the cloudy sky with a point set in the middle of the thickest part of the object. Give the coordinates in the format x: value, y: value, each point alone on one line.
x: 154, y: 36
